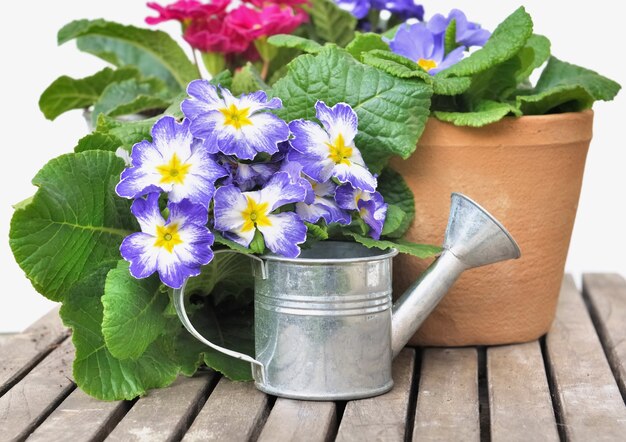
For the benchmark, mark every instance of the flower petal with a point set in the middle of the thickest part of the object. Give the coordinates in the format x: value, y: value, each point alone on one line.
x: 284, y: 234
x: 139, y: 250
x: 338, y: 120
x: 324, y: 208
x: 147, y: 213
x: 357, y: 175
x: 280, y: 190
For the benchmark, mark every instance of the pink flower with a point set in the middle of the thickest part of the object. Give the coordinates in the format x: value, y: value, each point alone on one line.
x: 270, y: 20
x: 216, y: 35
x: 292, y: 3
x: 186, y: 10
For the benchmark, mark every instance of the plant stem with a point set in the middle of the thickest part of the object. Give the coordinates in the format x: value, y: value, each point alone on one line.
x: 265, y: 69
x: 195, y: 62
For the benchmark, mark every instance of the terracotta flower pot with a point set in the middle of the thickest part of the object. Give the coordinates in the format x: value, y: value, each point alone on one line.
x: 526, y: 171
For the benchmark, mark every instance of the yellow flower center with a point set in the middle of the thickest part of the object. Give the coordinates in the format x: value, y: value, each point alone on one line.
x: 427, y: 65
x: 173, y: 172
x: 255, y: 214
x: 167, y: 237
x: 339, y: 152
x: 233, y: 116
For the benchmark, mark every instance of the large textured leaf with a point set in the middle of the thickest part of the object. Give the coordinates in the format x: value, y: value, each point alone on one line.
x: 154, y: 53
x: 366, y: 42
x: 133, y: 312
x: 451, y: 85
x: 395, y: 64
x: 295, y: 42
x: 533, y: 55
x: 564, y: 87
x: 247, y: 80
x: 506, y: 41
x: 392, y: 111
x: 96, y: 370
x: 66, y: 93
x: 130, y: 97
x: 486, y: 112
x: 422, y: 251
x: 331, y: 23
x: 74, y: 224
x: 394, y: 189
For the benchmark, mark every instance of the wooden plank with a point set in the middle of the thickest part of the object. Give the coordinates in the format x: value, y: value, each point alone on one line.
x: 32, y: 399
x: 300, y: 421
x: 4, y: 337
x: 587, y: 396
x: 519, y: 395
x: 80, y: 418
x: 447, y: 401
x: 607, y: 303
x: 235, y: 411
x: 382, y: 417
x: 21, y: 352
x: 164, y: 414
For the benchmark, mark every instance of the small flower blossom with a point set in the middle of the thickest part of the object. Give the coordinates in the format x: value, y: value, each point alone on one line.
x: 329, y: 152
x: 358, y: 8
x: 186, y: 10
x: 175, y: 248
x: 271, y: 19
x: 416, y: 42
x: 215, y: 34
x: 468, y: 34
x: 234, y: 126
x: 371, y: 206
x: 240, y: 214
x: 323, y: 205
x: 173, y: 162
x: 404, y: 9
x: 248, y: 176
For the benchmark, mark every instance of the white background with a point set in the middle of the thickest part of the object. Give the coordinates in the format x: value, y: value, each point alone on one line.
x: 588, y: 35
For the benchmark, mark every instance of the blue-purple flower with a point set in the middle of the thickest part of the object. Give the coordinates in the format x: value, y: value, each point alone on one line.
x: 329, y: 152
x: 404, y: 9
x: 371, y: 206
x: 175, y: 248
x: 358, y: 8
x: 247, y: 176
x: 235, y: 126
x: 173, y: 162
x: 418, y: 43
x: 322, y: 205
x: 468, y: 34
x: 240, y: 214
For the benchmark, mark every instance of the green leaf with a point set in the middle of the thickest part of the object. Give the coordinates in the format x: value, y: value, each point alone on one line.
x: 224, y: 79
x: 154, y: 53
x: 247, y: 80
x: 422, y: 251
x: 486, y: 112
x: 395, y: 65
x: 96, y: 371
x: 316, y: 232
x: 506, y: 41
x: 98, y: 141
x: 257, y: 245
x: 496, y: 83
x: 533, y: 55
x: 130, y: 97
x: 393, y: 220
x: 74, y: 224
x: 133, y: 312
x: 364, y: 43
x: 450, y: 43
x: 564, y: 87
x: 392, y: 111
x: 295, y: 42
x: 451, y: 85
x: 395, y: 191
x: 66, y: 93
x: 331, y: 23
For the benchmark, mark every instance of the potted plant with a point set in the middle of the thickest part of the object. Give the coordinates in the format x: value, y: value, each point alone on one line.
x: 244, y: 152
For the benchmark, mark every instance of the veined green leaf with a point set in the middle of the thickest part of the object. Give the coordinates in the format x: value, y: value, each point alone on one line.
x: 247, y: 80
x: 396, y: 65
x: 506, y: 41
x: 331, y: 23
x: 295, y: 42
x: 395, y: 191
x: 75, y: 223
x: 451, y: 85
x: 365, y: 42
x: 422, y: 251
x: 486, y: 112
x: 66, y: 93
x: 133, y: 312
x: 154, y: 53
x: 533, y: 55
x: 392, y: 111
x: 393, y: 220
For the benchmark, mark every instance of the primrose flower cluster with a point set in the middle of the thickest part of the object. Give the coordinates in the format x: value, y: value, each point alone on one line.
x: 233, y: 167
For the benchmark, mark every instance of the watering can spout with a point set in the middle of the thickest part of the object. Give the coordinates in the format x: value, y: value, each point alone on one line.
x: 473, y: 238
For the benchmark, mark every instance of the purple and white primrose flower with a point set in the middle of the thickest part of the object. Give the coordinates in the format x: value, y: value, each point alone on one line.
x: 405, y: 9
x: 371, y: 206
x: 468, y: 34
x: 173, y: 162
x: 418, y: 43
x: 358, y: 8
x: 175, y: 248
x: 329, y: 152
x: 323, y: 205
x: 248, y: 176
x: 239, y: 214
x: 235, y: 126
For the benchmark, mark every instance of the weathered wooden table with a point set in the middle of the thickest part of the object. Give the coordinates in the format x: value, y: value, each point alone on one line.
x: 570, y: 385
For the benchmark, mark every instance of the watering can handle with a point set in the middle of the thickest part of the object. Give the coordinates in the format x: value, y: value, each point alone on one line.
x: 258, y: 370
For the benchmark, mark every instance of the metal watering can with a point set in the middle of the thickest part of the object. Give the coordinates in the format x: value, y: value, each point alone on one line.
x: 325, y: 327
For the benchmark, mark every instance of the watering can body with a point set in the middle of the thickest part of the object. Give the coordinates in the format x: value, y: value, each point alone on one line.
x: 325, y: 326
